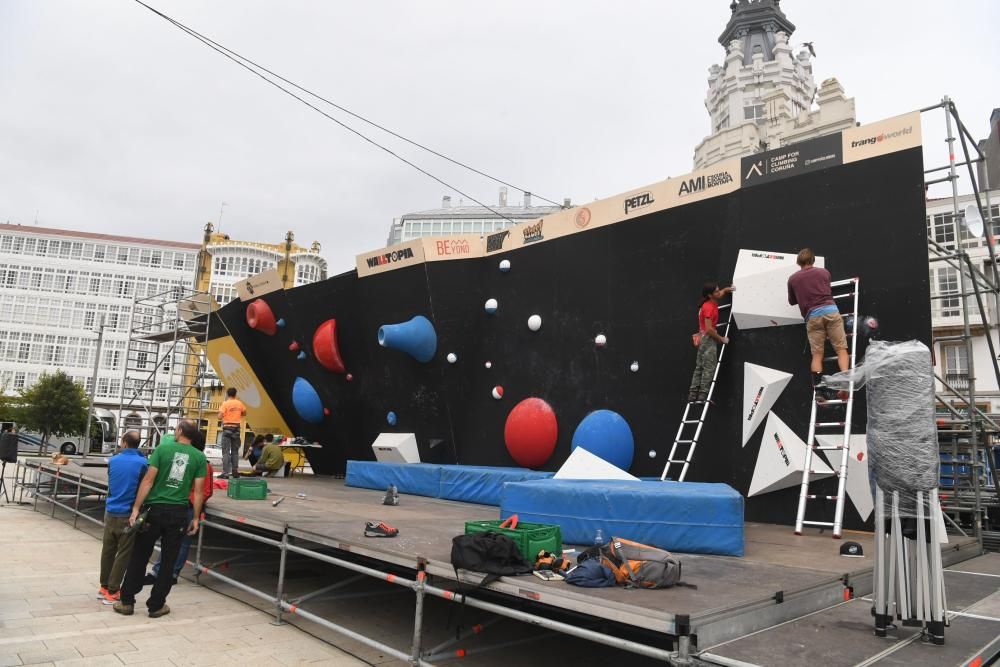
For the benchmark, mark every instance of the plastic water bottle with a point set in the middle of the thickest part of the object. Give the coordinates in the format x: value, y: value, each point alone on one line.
x: 599, y: 538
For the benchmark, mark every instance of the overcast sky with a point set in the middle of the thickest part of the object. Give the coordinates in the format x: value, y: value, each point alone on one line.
x: 112, y: 120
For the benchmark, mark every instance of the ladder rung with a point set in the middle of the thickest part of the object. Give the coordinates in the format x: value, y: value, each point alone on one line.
x: 845, y: 295
x: 829, y: 424
x: 845, y: 281
x: 810, y: 497
x: 835, y: 401
x: 683, y: 442
x: 690, y: 421
x: 676, y: 461
x: 826, y: 448
x: 818, y: 523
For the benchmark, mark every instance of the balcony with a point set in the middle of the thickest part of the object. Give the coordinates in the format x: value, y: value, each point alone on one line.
x: 958, y: 381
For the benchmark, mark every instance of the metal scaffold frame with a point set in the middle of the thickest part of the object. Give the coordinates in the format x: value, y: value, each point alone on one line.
x: 969, y: 433
x: 165, y: 361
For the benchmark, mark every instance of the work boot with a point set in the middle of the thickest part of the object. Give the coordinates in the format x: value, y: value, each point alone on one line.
x: 124, y: 609
x: 162, y: 611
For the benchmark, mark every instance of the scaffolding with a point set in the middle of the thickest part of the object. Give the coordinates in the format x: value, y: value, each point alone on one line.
x: 165, y: 362
x: 968, y: 436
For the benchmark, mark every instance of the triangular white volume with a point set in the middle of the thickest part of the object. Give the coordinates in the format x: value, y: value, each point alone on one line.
x: 781, y: 459
x: 761, y: 298
x: 858, y: 488
x: 761, y: 388
x: 581, y: 464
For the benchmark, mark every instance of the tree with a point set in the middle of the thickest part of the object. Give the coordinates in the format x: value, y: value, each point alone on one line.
x: 54, y: 405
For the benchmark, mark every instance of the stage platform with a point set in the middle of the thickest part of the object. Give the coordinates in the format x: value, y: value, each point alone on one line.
x: 782, y: 577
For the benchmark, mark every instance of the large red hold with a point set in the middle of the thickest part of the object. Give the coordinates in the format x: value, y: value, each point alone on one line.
x: 325, y: 347
x: 531, y: 432
x: 260, y: 317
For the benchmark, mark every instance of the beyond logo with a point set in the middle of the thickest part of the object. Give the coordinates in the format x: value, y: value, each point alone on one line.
x: 781, y: 450
x: 389, y: 257
x: 453, y: 247
x: 703, y: 183
x: 533, y: 232
x: 756, y: 401
x: 639, y: 201
x: 871, y: 141
x: 494, y: 242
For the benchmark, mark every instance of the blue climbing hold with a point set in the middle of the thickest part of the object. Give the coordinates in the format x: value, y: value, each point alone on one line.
x: 306, y: 401
x: 301, y: 356
x: 390, y: 418
x: 416, y: 337
x: 281, y: 322
x: 606, y: 434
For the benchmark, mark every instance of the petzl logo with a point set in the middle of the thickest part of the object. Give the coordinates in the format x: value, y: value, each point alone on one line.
x: 389, y: 257
x: 756, y: 402
x: 879, y: 138
x: 755, y: 170
x: 638, y: 201
x: 533, y: 232
x: 704, y: 183
x: 494, y: 242
x: 781, y: 449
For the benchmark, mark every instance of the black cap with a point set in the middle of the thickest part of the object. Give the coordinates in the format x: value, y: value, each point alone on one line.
x: 852, y: 550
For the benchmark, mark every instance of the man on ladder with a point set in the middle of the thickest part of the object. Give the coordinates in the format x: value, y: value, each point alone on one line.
x: 810, y: 288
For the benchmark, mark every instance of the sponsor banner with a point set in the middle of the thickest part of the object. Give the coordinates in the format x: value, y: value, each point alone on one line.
x: 437, y: 248
x: 498, y: 241
x: 883, y: 137
x: 718, y: 179
x: 229, y: 362
x: 792, y: 160
x: 258, y: 285
x: 749, y: 262
x: 393, y: 257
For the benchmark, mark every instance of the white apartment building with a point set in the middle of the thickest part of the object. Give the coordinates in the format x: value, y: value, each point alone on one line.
x: 55, y: 284
x: 951, y: 357
x: 235, y: 260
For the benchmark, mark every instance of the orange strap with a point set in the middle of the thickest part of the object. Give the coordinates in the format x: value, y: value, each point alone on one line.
x: 511, y: 522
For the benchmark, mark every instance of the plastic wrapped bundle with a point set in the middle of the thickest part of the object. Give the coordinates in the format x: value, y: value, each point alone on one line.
x: 902, y: 435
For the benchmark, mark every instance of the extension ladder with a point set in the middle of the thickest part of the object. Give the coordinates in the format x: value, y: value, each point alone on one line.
x: 853, y: 285
x: 681, y: 441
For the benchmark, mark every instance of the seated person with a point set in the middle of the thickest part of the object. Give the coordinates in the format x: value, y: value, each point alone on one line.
x: 271, y: 461
x: 252, y: 451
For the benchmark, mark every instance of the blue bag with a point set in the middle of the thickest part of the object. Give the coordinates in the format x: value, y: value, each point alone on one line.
x: 591, y: 574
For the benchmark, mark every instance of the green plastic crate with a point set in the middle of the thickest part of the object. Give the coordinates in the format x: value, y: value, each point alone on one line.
x: 530, y: 538
x: 247, y: 489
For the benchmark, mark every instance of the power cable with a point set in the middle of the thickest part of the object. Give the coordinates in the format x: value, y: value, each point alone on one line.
x: 242, y: 62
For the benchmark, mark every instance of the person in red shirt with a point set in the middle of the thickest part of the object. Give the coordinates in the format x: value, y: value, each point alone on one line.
x: 708, y: 340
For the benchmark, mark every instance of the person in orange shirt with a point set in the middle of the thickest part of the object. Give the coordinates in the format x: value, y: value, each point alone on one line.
x: 231, y: 415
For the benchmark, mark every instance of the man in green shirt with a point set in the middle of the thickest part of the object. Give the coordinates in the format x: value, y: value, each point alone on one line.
x: 271, y: 460
x: 175, y: 468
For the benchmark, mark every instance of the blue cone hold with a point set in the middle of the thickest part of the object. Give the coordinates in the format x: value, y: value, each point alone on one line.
x: 281, y: 322
x: 417, y: 338
x: 301, y: 356
x: 390, y: 418
x: 306, y: 401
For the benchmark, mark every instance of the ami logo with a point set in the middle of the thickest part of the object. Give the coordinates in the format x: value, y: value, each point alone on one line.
x: 704, y: 183
x: 640, y: 200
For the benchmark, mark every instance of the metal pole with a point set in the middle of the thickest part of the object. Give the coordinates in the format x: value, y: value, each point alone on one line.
x: 76, y: 508
x: 93, y: 385
x: 280, y: 594
x: 197, y: 551
x: 55, y: 489
x: 418, y: 615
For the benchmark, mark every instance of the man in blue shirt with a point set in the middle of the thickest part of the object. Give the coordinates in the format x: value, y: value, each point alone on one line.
x: 125, y: 470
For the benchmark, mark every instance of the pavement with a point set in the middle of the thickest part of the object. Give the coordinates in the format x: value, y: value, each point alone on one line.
x: 49, y: 614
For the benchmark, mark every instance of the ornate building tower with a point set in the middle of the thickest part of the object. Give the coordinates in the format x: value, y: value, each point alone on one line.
x: 762, y: 96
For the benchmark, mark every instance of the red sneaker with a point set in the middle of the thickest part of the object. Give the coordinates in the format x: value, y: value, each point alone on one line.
x: 380, y: 529
x: 111, y: 598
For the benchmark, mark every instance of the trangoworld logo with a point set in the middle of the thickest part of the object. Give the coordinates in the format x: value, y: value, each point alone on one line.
x: 781, y: 449
x: 877, y: 139
x: 389, y: 257
x: 533, y: 232
x: 756, y: 402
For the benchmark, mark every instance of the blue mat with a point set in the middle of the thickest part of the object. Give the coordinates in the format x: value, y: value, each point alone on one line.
x: 687, y: 517
x: 471, y: 484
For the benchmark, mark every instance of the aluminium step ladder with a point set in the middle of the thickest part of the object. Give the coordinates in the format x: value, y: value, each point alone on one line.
x: 681, y: 440
x: 853, y: 285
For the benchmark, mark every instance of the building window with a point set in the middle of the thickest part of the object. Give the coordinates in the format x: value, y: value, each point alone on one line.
x: 723, y: 123
x: 956, y: 366
x: 947, y: 283
x: 754, y: 111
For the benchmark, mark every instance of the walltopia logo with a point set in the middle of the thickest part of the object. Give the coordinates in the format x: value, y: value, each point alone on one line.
x: 389, y: 258
x: 533, y: 232
x: 756, y: 402
x: 877, y: 139
x: 704, y: 183
x: 639, y: 201
x: 494, y: 242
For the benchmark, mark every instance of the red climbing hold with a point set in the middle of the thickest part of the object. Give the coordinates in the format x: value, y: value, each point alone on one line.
x: 261, y: 318
x: 531, y: 432
x: 294, y: 347
x: 325, y: 347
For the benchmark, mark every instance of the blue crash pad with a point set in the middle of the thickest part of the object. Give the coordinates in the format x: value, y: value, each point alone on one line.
x: 471, y: 484
x: 688, y: 517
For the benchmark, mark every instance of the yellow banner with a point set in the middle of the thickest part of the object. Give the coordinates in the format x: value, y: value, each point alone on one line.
x: 229, y: 362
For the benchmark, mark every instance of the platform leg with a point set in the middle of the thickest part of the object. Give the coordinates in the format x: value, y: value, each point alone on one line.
x: 280, y: 594
x: 197, y: 552
x: 418, y: 616
x: 881, y: 602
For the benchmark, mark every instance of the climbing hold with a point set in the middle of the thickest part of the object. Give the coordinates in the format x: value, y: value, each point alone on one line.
x: 530, y: 432
x: 491, y: 306
x: 652, y: 453
x: 606, y: 434
x: 390, y: 418
x: 505, y: 265
x: 488, y: 365
x: 294, y: 347
x: 600, y: 340
x: 452, y: 357
x: 498, y: 392
x: 281, y: 323
x: 301, y: 356
x: 260, y: 317
x: 535, y: 322
x: 634, y: 367
x: 415, y: 337
x: 326, y: 348
x: 306, y: 401
x: 349, y: 377
x: 326, y: 411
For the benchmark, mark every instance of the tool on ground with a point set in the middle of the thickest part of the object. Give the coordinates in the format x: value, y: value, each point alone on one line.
x: 277, y: 502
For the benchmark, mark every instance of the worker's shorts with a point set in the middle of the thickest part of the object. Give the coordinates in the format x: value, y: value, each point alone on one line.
x: 823, y: 327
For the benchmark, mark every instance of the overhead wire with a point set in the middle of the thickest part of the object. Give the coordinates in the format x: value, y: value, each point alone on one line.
x: 253, y: 68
